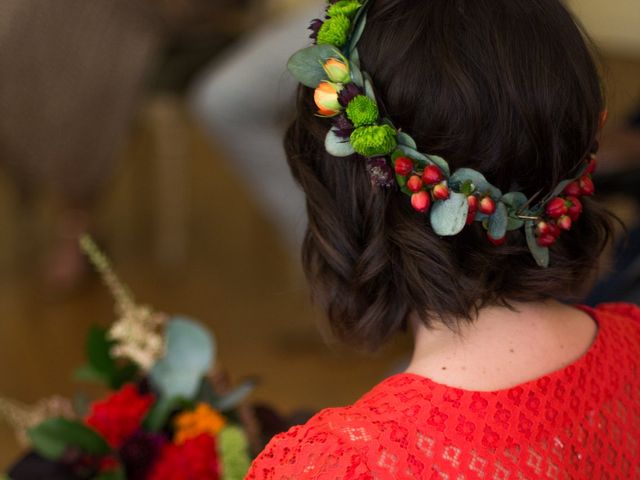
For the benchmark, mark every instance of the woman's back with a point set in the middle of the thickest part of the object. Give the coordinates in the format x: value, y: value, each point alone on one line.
x: 582, y: 421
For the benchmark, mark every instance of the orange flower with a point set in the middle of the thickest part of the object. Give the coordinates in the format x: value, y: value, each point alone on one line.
x: 203, y: 419
x: 326, y: 97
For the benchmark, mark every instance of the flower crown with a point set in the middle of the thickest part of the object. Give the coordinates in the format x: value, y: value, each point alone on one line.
x: 345, y: 94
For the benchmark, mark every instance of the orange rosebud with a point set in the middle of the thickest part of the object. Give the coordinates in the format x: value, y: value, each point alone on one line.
x: 337, y: 71
x: 326, y: 98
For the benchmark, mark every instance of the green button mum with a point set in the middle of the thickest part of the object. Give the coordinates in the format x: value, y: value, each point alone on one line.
x: 361, y: 110
x: 374, y: 140
x: 335, y: 31
x: 344, y: 7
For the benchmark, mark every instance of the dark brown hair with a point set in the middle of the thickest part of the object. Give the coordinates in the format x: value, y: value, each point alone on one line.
x: 506, y: 87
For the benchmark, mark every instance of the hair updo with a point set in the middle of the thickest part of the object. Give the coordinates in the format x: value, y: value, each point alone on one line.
x: 506, y: 87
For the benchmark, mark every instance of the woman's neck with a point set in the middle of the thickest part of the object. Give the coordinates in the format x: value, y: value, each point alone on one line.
x: 502, y: 347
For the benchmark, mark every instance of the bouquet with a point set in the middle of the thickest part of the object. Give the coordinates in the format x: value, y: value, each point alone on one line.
x: 166, y: 418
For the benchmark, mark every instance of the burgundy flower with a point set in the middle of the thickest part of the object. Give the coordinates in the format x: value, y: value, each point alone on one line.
x: 343, y: 127
x: 348, y: 93
x: 380, y: 172
x: 139, y: 453
x: 315, y: 26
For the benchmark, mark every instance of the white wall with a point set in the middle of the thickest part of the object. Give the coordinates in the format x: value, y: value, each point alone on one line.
x: 613, y: 24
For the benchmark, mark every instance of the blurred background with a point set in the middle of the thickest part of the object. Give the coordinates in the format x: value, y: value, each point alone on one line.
x: 155, y: 125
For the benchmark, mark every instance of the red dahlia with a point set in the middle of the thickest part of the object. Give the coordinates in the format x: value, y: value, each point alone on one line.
x: 119, y: 416
x: 195, y: 458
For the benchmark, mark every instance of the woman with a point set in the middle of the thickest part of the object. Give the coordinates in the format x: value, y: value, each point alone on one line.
x: 505, y: 380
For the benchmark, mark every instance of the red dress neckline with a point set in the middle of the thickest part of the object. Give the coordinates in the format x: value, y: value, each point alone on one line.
x: 591, y: 350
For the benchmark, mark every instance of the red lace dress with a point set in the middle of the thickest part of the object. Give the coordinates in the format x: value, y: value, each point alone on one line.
x: 581, y: 422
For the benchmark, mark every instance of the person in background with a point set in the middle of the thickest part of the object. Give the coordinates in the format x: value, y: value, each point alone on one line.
x: 242, y: 102
x: 506, y: 381
x: 70, y: 74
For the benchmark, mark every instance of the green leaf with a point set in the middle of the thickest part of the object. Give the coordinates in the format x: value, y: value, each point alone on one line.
x: 190, y: 352
x: 99, y: 351
x: 540, y: 254
x: 117, y: 474
x: 232, y: 399
x: 159, y: 413
x: 102, y: 367
x: 449, y: 216
x: 307, y: 65
x: 479, y: 181
x: 441, y: 163
x: 406, y: 140
x: 52, y: 437
x: 497, y: 227
x: 337, y: 146
x: 125, y: 373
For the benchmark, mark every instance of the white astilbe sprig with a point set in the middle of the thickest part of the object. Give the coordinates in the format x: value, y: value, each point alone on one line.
x: 21, y: 417
x: 138, y: 332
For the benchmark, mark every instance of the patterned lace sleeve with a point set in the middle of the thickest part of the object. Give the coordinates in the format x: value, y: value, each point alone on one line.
x: 306, y: 453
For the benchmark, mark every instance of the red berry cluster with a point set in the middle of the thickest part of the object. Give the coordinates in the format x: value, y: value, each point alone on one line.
x: 425, y: 186
x: 562, y: 211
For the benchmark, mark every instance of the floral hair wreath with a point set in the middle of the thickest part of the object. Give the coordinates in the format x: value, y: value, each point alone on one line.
x: 345, y: 94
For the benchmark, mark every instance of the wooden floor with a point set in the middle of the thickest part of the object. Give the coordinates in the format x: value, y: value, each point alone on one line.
x: 237, y: 277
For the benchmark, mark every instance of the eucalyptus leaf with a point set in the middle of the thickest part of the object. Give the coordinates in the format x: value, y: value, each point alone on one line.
x: 540, y: 254
x: 479, y: 181
x: 54, y: 436
x: 189, y: 355
x: 497, y: 227
x: 406, y: 140
x: 515, y: 200
x: 368, y: 87
x: 359, y: 23
x: 232, y: 399
x: 307, y: 65
x: 337, y: 146
x: 441, y: 164
x: 356, y: 75
x: 449, y: 216
x: 354, y: 58
x: 414, y: 155
x: 514, y: 224
x: 559, y: 188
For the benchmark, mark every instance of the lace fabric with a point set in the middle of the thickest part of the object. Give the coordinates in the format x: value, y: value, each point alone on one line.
x: 580, y: 422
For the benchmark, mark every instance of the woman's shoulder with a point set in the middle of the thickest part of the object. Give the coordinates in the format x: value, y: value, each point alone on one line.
x: 321, y: 448
x: 332, y: 444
